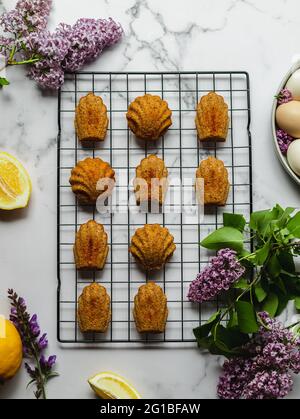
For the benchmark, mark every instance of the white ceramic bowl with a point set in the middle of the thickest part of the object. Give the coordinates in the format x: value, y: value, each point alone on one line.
x: 281, y: 157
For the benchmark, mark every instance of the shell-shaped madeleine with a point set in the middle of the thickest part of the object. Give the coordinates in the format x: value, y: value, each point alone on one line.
x: 90, y: 248
x: 150, y: 183
x: 94, y: 310
x: 212, y: 119
x: 85, y: 176
x: 150, y: 310
x: 216, y: 184
x: 152, y: 246
x: 91, y: 119
x: 149, y: 117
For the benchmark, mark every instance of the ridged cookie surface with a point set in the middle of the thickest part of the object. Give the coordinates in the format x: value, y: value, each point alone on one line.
x: 91, y: 119
x: 94, y: 311
x: 216, y: 184
x: 85, y: 176
x: 150, y: 183
x: 152, y: 246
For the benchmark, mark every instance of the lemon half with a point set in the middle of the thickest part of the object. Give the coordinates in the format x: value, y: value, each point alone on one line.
x: 15, y: 184
x: 109, y: 385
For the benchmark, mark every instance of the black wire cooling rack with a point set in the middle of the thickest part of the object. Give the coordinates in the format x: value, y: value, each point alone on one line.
x: 182, y: 153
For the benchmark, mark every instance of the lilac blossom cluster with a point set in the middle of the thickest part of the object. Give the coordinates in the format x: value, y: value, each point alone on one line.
x: 284, y: 96
x: 50, y: 55
x: 284, y: 140
x: 33, y: 341
x: 223, y: 271
x: 265, y: 371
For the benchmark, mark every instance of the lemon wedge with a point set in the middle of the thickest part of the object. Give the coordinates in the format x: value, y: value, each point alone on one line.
x: 15, y: 184
x: 109, y: 385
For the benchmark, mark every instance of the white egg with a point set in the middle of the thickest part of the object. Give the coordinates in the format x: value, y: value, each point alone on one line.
x: 293, y: 156
x: 293, y: 85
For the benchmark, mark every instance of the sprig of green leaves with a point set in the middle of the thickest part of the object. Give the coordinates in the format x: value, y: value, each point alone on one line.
x: 272, y: 280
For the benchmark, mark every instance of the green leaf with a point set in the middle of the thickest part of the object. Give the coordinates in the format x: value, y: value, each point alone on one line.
x: 224, y: 237
x: 3, y: 81
x: 246, y: 317
x: 294, y: 225
x: 271, y: 304
x: 260, y: 293
x: 234, y: 220
x: 233, y: 320
x: 297, y: 303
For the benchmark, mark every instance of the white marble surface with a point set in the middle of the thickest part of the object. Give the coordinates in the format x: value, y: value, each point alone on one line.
x: 259, y: 37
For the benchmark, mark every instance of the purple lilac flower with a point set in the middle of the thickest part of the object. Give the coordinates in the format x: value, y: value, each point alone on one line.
x: 88, y: 38
x: 265, y: 372
x: 284, y: 140
x: 284, y: 96
x: 43, y: 342
x: 223, y: 271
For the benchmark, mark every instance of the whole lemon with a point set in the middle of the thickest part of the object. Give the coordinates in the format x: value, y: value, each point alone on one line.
x: 10, y: 350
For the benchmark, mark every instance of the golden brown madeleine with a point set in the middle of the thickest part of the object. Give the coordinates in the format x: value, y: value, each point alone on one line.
x: 85, y: 176
x: 149, y: 117
x: 90, y: 248
x: 212, y: 118
x: 94, y: 310
x: 150, y: 309
x: 91, y: 119
x: 150, y: 183
x: 152, y: 246
x: 216, y: 184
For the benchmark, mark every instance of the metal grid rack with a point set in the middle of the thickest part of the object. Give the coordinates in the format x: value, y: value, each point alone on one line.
x: 182, y: 153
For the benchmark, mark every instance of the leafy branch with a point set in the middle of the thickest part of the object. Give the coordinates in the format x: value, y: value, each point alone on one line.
x: 270, y: 280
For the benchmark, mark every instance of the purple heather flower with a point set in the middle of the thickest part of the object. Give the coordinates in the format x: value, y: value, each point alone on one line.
x: 265, y: 371
x: 284, y: 140
x: 43, y: 342
x: 34, y: 326
x: 33, y: 344
x: 223, y: 271
x: 47, y: 364
x: 284, y: 96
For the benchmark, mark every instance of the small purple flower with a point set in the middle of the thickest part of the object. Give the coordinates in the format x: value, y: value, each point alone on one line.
x: 284, y: 140
x: 268, y: 385
x: 47, y: 364
x: 284, y: 96
x: 33, y: 344
x: 222, y: 272
x: 265, y: 371
x: 43, y: 342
